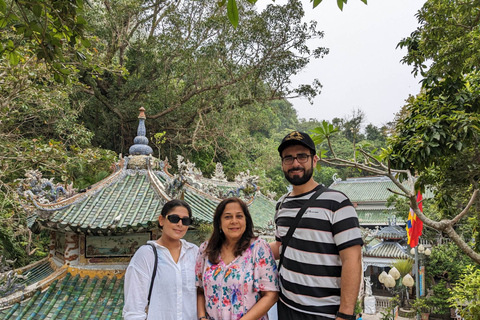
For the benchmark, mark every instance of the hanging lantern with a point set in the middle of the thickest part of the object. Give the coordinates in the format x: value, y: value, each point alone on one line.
x: 421, y: 248
x: 381, y: 277
x: 394, y: 273
x: 408, y: 281
x: 412, y: 251
x: 428, y: 252
x: 389, y: 281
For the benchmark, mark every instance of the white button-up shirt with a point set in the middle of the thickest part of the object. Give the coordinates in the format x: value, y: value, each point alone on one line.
x: 174, y: 295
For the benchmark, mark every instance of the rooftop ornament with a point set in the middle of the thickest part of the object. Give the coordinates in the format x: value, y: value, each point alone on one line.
x: 141, y: 146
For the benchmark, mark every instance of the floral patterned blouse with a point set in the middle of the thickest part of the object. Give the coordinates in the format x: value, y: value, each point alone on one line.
x: 231, y: 290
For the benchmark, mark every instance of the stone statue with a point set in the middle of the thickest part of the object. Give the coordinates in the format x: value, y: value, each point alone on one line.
x: 368, y: 286
x: 219, y: 175
x: 369, y: 300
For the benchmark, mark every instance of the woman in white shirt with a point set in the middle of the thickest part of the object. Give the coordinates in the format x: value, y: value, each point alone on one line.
x: 174, y: 295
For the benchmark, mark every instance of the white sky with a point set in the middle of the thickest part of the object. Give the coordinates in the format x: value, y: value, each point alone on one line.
x: 363, y: 68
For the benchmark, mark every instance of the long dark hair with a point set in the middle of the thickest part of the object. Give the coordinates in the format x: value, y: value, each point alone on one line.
x: 218, y: 238
x: 167, y: 207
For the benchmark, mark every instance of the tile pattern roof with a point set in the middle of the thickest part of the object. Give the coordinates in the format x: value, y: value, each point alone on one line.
x: 73, y: 298
x: 129, y: 203
x: 263, y: 210
x: 392, y: 232
x: 377, y: 217
x: 386, y: 249
x: 368, y: 189
x: 132, y: 202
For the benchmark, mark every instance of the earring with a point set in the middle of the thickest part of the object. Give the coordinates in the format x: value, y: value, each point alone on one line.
x: 221, y: 230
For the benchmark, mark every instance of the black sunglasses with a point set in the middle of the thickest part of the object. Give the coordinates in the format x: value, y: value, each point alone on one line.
x: 173, y: 218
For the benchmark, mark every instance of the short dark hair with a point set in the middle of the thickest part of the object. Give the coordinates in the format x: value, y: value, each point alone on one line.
x: 167, y: 207
x: 218, y: 238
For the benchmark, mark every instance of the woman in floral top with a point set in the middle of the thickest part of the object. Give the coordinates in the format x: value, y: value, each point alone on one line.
x: 236, y: 273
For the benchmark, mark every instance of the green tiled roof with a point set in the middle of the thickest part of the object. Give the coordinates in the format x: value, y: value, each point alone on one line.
x: 128, y: 203
x: 262, y: 210
x: 377, y: 217
x: 72, y: 298
x: 392, y: 232
x: 132, y: 202
x: 369, y: 189
x: 386, y: 249
x: 202, y: 208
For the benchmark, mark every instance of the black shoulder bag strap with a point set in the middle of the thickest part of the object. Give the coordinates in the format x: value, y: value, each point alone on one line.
x: 153, y: 274
x: 294, y: 225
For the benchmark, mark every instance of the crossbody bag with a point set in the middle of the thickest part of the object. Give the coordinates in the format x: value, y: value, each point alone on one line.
x: 294, y: 225
x: 153, y: 275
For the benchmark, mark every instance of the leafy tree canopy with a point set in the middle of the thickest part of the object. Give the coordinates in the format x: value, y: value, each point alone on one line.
x: 436, y: 135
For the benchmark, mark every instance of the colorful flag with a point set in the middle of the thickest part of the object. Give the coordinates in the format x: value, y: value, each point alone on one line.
x: 414, y: 224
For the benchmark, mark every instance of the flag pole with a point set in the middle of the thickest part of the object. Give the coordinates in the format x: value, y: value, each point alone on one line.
x: 417, y: 278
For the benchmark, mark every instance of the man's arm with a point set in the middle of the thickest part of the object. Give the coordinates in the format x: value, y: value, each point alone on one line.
x: 275, y: 246
x: 351, y: 277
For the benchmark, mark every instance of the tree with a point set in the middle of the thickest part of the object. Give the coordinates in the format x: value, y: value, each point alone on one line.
x: 373, y: 133
x: 465, y: 295
x: 201, y: 81
x: 50, y: 30
x: 39, y: 131
x: 445, y: 45
x: 384, y: 164
x: 233, y: 15
x: 436, y: 135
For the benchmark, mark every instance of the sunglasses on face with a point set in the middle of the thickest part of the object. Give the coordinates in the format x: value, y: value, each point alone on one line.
x: 173, y: 218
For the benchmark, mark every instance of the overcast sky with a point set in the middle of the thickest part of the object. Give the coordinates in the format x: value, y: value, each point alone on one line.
x: 363, y: 68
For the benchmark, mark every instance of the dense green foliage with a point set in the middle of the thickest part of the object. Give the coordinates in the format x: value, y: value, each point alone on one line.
x: 214, y: 93
x: 466, y: 296
x: 48, y: 31
x: 439, y: 131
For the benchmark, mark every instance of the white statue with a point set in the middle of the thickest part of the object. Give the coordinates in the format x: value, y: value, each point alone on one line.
x: 369, y: 300
x: 368, y: 286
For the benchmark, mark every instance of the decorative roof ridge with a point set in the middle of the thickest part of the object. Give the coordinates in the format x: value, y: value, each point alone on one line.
x: 195, y: 189
x: 403, y: 248
x: 155, y: 182
x: 373, y: 251
x: 119, y: 172
x: 25, y: 268
x: 30, y: 290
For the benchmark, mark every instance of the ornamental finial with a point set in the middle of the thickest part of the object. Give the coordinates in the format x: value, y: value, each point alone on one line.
x: 141, y: 146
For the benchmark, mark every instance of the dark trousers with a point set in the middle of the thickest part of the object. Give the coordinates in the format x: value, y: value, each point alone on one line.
x: 286, y: 313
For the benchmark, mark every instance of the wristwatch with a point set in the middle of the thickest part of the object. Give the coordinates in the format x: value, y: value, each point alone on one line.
x: 346, y: 316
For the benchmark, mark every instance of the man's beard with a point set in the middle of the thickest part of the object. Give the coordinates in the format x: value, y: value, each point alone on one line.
x: 299, y: 180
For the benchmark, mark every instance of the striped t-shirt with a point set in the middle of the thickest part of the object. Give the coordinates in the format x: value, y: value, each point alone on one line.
x: 311, y: 268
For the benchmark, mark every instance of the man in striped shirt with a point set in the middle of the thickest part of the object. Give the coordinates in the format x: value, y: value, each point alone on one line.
x: 321, y: 270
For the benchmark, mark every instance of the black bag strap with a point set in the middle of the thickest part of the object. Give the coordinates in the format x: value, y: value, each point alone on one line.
x: 294, y: 225
x: 154, y: 272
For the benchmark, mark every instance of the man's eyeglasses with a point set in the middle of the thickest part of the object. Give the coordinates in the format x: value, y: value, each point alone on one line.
x: 173, y: 218
x: 301, y: 158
